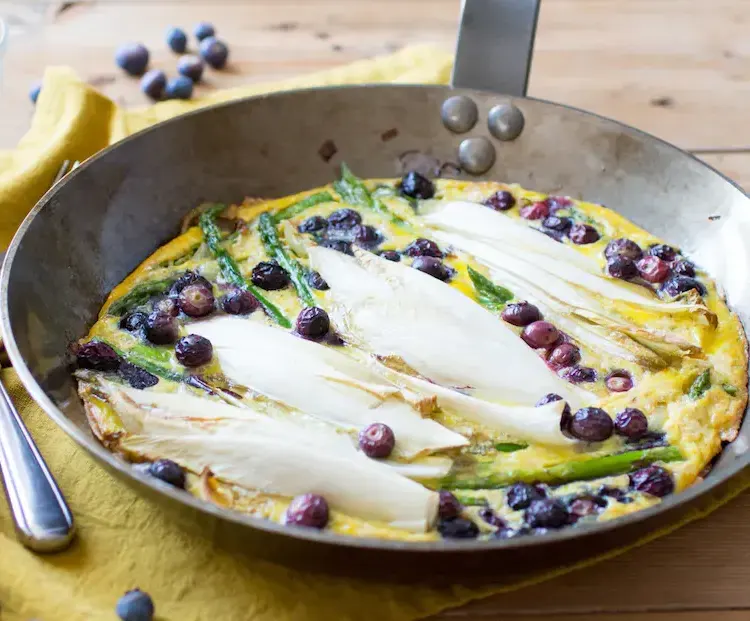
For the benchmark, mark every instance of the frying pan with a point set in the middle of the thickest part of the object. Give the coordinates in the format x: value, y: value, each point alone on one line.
x: 94, y: 227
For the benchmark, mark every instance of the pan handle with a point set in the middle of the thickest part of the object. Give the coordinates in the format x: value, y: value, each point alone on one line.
x: 495, y: 45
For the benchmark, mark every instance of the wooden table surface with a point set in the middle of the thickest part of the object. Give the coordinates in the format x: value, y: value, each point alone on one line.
x: 679, y: 69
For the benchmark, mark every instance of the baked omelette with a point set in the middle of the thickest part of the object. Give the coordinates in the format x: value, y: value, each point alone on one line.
x: 414, y: 359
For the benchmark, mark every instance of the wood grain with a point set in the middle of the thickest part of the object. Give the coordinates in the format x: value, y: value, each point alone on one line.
x: 679, y: 69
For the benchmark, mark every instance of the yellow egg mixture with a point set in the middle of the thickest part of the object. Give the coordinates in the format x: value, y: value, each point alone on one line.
x: 696, y: 426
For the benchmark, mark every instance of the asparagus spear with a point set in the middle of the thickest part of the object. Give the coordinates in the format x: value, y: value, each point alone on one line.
x: 305, y: 203
x: 229, y: 267
x: 701, y: 384
x: 351, y: 189
x: 140, y: 294
x: 274, y: 248
x: 493, y: 297
x: 154, y: 360
x: 509, y: 447
x: 594, y: 468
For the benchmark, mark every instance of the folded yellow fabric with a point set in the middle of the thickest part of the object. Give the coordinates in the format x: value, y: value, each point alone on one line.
x: 124, y: 540
x: 72, y: 121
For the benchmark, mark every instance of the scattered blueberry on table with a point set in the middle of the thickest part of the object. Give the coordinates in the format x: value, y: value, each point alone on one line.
x: 179, y: 87
x: 214, y: 52
x: 135, y: 605
x: 203, y: 30
x: 153, y: 83
x: 132, y: 58
x: 177, y: 40
x: 191, y: 67
x: 34, y: 91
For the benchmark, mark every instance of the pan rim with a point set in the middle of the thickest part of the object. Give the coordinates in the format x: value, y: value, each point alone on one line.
x: 90, y: 444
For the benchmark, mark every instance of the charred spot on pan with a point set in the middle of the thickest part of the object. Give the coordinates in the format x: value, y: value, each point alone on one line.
x: 449, y: 170
x: 419, y: 162
x: 389, y: 134
x: 327, y: 150
x: 662, y: 102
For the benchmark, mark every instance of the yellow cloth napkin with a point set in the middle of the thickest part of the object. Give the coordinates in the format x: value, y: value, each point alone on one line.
x: 124, y: 540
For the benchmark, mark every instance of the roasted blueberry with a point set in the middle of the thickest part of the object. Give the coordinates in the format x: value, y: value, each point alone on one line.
x: 179, y: 87
x: 366, y: 235
x: 134, y: 321
x: 652, y: 269
x: 191, y: 67
x: 313, y: 323
x: 98, y: 356
x: 377, y: 440
x: 664, y: 252
x: 520, y: 495
x: 605, y: 491
x: 168, y: 306
x: 501, y: 201
x: 540, y: 334
x: 583, y: 234
x: 619, y: 380
x: 448, y: 505
x: 653, y: 480
x: 564, y: 355
x: 176, y: 40
x: 161, y: 328
x: 196, y: 300
x: 415, y: 185
x: 270, y: 276
x: 136, y: 376
x: 132, y: 58
x: 583, y: 506
x: 556, y: 203
x: 535, y: 211
x: 214, y: 52
x: 623, y: 247
x: 677, y: 285
x: 344, y: 219
x: 493, y: 519
x: 316, y: 281
x: 422, y: 247
x: 631, y: 423
x: 557, y: 223
x: 239, y: 302
x: 153, y: 83
x: 458, y: 528
x: 590, y: 425
x: 193, y: 350
x: 434, y: 267
x: 391, y: 255
x: 683, y: 268
x: 546, y: 513
x: 549, y: 398
x: 135, y: 605
x: 168, y: 471
x: 308, y: 510
x: 578, y: 375
x: 521, y: 314
x: 622, y: 268
x: 188, y: 278
x: 203, y: 30
x: 313, y: 224
x: 338, y: 245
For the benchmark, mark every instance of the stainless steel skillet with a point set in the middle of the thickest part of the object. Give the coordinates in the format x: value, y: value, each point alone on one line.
x: 95, y: 226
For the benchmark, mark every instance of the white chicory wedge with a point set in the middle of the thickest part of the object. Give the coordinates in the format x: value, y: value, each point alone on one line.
x: 271, y: 456
x: 539, y: 425
x: 390, y: 309
x: 474, y: 220
x: 321, y: 382
x: 492, y: 252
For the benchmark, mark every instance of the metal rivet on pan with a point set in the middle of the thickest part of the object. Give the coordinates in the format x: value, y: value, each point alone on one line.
x: 476, y: 155
x: 505, y: 121
x: 459, y: 114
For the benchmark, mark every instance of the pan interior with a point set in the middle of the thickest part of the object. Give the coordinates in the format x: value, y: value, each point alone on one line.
x: 87, y: 234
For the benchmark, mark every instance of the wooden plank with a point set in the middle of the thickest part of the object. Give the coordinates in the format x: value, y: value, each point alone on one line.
x: 702, y: 566
x: 736, y: 166
x: 676, y: 68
